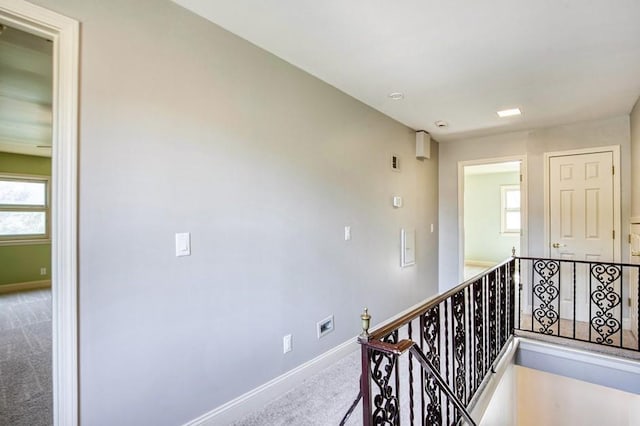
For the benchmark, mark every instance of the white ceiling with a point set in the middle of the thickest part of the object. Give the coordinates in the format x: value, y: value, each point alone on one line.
x: 25, y: 93
x: 560, y: 61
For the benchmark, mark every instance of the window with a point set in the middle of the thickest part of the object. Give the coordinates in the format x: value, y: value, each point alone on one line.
x: 510, y: 209
x: 24, y: 209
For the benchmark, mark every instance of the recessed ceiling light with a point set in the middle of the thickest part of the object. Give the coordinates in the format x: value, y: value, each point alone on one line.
x: 396, y: 96
x: 509, y: 112
x: 441, y: 124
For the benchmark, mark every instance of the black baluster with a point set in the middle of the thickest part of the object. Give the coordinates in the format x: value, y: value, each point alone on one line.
x: 411, y: 406
x: 559, y: 296
x: 575, y: 318
x: 520, y: 310
x: 446, y: 352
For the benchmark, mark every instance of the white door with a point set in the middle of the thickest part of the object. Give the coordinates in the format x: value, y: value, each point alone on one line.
x: 581, y: 219
x: 633, y: 282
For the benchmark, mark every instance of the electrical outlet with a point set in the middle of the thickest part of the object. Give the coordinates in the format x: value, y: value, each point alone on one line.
x: 43, y: 271
x: 347, y: 233
x: 286, y: 344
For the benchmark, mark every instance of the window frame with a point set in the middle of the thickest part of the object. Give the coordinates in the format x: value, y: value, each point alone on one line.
x: 26, y: 239
x: 504, y: 189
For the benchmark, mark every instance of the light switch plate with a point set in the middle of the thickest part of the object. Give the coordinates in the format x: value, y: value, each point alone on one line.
x: 286, y: 344
x: 183, y: 244
x: 347, y: 233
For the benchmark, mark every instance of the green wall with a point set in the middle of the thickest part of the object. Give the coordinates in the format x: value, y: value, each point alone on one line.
x: 22, y: 263
x: 483, y: 240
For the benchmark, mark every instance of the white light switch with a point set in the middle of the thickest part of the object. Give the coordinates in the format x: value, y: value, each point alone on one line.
x: 347, y: 233
x: 183, y: 244
x: 286, y: 344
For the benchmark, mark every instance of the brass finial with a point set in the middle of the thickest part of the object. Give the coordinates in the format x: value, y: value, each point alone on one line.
x: 513, y: 252
x: 366, y: 321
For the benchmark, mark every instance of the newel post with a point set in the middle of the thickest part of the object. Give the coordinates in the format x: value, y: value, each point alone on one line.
x: 365, y: 377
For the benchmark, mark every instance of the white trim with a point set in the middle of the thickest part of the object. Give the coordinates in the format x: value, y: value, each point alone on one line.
x: 65, y: 34
x: 524, y: 209
x: 478, y: 407
x: 30, y: 239
x: 587, y: 357
x: 29, y: 285
x: 256, y: 398
x: 615, y: 152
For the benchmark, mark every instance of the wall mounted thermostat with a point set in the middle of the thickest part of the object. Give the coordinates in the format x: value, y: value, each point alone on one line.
x: 397, y: 202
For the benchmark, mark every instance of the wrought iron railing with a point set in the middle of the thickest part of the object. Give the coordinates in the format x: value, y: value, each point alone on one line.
x: 580, y: 300
x: 428, y: 366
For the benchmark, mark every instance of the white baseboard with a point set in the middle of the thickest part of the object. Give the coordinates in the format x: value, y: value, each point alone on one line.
x: 258, y: 397
x: 31, y: 285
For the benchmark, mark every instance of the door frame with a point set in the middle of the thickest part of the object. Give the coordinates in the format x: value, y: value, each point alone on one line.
x: 65, y: 34
x: 617, y: 219
x: 524, y: 202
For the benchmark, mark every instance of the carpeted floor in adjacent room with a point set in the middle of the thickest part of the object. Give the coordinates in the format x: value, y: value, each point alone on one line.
x: 25, y: 359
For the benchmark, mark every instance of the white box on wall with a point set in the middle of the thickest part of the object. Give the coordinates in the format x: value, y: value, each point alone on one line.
x: 423, y: 145
x: 407, y: 247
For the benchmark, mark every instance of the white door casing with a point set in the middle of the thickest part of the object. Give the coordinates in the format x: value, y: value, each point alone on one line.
x: 522, y: 249
x: 581, y: 222
x: 65, y: 34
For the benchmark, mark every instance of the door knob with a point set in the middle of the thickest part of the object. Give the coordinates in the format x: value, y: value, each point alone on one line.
x: 558, y: 245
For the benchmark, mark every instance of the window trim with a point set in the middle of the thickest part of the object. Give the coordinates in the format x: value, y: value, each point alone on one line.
x: 504, y: 189
x: 29, y: 239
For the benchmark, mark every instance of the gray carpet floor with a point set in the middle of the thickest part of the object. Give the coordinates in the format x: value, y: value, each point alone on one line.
x: 321, y: 400
x: 25, y: 359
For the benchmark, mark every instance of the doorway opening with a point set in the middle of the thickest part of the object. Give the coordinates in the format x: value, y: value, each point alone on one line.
x: 493, y: 213
x: 64, y: 35
x: 26, y: 61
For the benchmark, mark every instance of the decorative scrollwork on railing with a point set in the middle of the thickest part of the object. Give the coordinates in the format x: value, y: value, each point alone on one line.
x: 502, y: 306
x: 385, y: 401
x: 492, y: 351
x: 478, y: 320
x: 431, y: 335
x: 547, y: 291
x: 459, y: 346
x: 605, y: 298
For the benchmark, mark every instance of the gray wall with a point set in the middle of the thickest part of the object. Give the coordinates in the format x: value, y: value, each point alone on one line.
x: 534, y: 143
x: 635, y: 161
x: 186, y: 128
